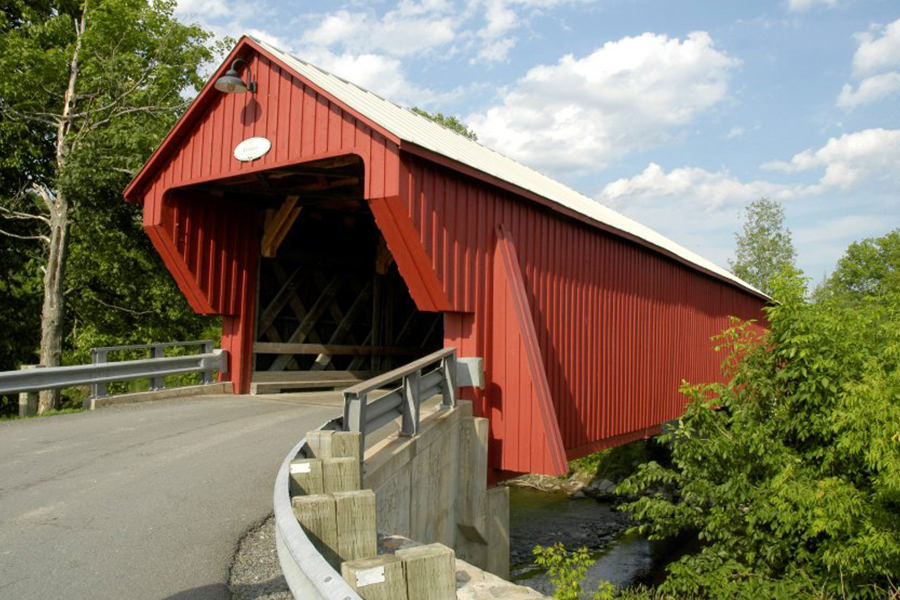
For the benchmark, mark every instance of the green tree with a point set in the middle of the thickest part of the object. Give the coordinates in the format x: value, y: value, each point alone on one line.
x: 764, y: 246
x: 789, y: 472
x: 89, y: 90
x: 448, y: 121
x: 869, y: 268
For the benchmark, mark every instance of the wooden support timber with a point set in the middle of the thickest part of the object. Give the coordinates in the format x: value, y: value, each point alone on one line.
x: 278, y: 225
x: 332, y: 349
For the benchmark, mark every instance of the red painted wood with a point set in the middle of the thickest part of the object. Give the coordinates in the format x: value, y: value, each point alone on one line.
x: 212, y: 248
x: 619, y: 326
x: 593, y: 327
x: 531, y: 441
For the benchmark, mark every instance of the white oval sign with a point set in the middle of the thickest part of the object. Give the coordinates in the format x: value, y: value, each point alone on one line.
x: 252, y: 148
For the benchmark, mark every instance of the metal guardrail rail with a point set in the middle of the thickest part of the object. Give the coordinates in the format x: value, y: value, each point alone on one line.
x: 407, y: 387
x: 307, y: 573
x: 48, y: 378
x: 100, y: 356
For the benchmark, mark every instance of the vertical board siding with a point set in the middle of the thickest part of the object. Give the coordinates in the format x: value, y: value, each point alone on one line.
x: 211, y: 247
x: 301, y: 123
x: 619, y: 326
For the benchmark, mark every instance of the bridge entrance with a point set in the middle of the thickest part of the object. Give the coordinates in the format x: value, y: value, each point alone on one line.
x: 331, y: 305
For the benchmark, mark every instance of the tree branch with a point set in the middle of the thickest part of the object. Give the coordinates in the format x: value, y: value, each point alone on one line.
x: 21, y: 216
x: 137, y: 313
x: 41, y: 238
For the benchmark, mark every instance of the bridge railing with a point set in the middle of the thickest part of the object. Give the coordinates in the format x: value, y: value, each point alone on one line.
x: 307, y: 573
x: 100, y: 356
x: 101, y: 372
x: 401, y: 393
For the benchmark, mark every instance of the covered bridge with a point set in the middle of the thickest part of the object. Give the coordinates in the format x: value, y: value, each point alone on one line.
x: 336, y: 232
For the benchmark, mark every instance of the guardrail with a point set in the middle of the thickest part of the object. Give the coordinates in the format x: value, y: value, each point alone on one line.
x: 307, y: 573
x: 48, y: 378
x: 100, y: 356
x: 406, y: 388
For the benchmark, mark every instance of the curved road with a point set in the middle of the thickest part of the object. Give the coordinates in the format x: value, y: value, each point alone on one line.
x: 142, y: 501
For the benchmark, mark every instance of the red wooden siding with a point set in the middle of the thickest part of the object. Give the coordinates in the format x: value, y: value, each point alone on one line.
x: 524, y: 428
x: 210, y: 247
x: 618, y: 325
x: 586, y: 335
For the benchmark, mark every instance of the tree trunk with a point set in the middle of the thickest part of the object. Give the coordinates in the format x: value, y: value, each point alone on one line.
x: 52, y: 311
x: 58, y: 245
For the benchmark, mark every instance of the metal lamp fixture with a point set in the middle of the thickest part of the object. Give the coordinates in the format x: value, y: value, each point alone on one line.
x: 231, y: 82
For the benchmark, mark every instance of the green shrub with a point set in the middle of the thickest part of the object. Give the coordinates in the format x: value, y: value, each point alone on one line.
x: 789, y: 473
x: 567, y: 569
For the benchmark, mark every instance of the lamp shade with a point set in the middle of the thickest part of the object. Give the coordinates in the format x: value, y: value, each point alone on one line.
x: 231, y: 83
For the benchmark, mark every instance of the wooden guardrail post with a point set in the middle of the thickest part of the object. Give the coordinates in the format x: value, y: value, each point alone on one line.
x: 317, y: 515
x: 377, y: 578
x: 341, y: 474
x: 356, y: 533
x: 306, y: 477
x: 430, y: 572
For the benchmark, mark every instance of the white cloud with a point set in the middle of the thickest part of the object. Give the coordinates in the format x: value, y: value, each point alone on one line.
x: 736, y: 132
x: 851, y: 160
x: 876, y: 64
x: 203, y: 8
x: 406, y: 30
x: 376, y: 73
x: 871, y: 89
x: 704, y: 191
x: 805, y: 5
x: 879, y: 49
x: 628, y: 94
x: 853, y: 197
x: 495, y: 51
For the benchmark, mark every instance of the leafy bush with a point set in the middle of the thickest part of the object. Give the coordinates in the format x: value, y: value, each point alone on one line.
x: 567, y: 569
x: 789, y: 473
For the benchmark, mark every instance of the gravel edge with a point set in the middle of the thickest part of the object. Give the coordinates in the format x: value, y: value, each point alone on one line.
x: 255, y: 573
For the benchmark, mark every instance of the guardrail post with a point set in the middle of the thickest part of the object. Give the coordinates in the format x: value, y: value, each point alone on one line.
x: 451, y: 389
x: 98, y: 357
x: 207, y: 375
x: 157, y: 383
x: 355, y: 416
x: 28, y: 401
x: 410, y: 405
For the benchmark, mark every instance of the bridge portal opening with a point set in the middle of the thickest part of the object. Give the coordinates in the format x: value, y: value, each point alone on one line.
x: 331, y: 305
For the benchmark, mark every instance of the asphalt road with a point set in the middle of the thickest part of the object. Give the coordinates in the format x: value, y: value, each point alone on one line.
x: 141, y: 501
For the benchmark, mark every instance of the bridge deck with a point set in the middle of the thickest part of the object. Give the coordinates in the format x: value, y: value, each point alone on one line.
x: 142, y: 501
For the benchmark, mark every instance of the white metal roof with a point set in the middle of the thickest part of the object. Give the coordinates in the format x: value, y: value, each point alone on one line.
x: 410, y: 127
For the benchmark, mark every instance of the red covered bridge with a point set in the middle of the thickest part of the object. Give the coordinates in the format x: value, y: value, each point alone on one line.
x: 347, y: 235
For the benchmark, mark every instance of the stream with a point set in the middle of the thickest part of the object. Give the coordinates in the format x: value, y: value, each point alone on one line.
x: 543, y: 518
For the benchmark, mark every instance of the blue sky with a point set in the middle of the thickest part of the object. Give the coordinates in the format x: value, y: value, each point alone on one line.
x: 676, y: 114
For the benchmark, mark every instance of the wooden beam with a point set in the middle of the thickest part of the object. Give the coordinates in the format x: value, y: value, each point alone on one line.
x: 278, y: 226
x: 268, y: 315
x: 343, y: 327
x: 309, y: 321
x: 334, y: 349
x: 324, y: 184
x: 337, y: 161
x: 383, y: 257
